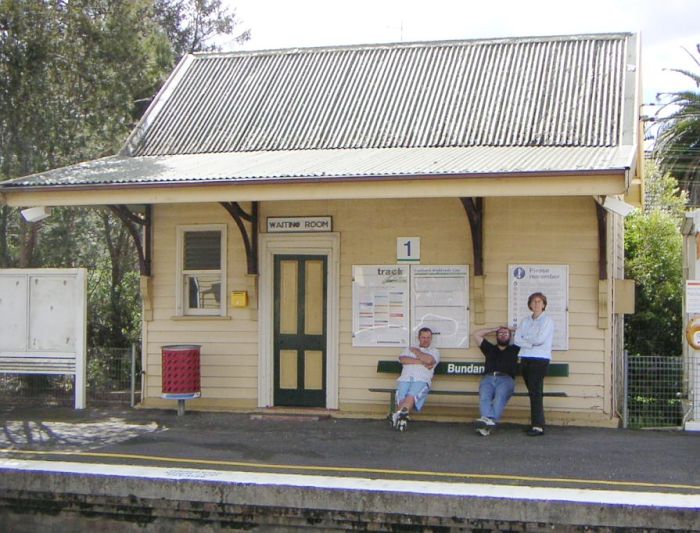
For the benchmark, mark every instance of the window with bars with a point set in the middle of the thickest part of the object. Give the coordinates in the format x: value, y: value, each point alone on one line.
x: 201, y: 287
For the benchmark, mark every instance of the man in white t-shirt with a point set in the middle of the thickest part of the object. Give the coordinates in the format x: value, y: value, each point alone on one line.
x: 419, y: 364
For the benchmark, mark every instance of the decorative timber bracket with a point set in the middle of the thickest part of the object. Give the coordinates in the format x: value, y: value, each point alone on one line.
x: 475, y: 213
x: 250, y: 237
x: 604, y: 294
x: 602, y: 215
x: 474, y: 208
x: 143, y: 241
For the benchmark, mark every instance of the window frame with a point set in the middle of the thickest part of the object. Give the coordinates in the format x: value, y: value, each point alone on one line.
x: 181, y: 301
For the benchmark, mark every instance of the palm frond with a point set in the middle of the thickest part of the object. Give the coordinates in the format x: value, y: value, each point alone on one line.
x: 677, y: 146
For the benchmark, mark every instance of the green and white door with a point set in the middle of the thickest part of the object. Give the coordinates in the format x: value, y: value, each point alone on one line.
x: 300, y: 330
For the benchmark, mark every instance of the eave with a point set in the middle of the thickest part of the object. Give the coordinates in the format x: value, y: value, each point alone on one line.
x: 560, y: 183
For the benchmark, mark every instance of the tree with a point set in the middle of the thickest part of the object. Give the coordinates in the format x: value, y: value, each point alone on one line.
x: 677, y: 147
x: 653, y: 258
x: 75, y: 77
x: 69, y: 75
x: 192, y: 25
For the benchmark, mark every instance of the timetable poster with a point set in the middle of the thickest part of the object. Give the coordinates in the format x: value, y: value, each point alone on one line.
x: 550, y: 280
x: 440, y: 301
x: 380, y: 303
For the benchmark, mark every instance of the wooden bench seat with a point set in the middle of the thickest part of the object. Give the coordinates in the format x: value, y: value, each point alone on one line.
x: 460, y: 368
x: 465, y: 368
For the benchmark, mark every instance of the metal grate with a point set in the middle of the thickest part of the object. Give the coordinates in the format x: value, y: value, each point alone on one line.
x: 656, y: 391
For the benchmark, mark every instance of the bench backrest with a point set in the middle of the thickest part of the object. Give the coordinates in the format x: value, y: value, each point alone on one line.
x: 465, y: 368
x: 37, y: 364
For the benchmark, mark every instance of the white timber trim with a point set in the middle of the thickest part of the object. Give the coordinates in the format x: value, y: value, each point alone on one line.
x: 271, y: 244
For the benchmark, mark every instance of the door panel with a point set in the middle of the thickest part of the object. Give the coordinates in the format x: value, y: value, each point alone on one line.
x: 288, y: 296
x: 288, y: 369
x: 300, y: 330
x: 314, y: 296
x: 313, y: 369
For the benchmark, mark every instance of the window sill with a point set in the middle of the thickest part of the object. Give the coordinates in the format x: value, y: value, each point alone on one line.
x: 199, y: 317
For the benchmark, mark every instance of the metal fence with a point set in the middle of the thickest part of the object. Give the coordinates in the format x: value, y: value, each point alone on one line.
x: 656, y: 389
x: 113, y: 377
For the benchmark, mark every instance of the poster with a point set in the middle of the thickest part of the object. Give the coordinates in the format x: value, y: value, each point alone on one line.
x: 380, y: 300
x: 390, y: 303
x: 440, y: 301
x: 553, y: 282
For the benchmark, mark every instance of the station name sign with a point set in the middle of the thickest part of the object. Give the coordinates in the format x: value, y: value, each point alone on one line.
x: 298, y: 224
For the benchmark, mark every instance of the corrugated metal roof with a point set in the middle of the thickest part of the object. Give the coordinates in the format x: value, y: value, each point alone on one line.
x: 556, y: 91
x: 331, y: 164
x: 551, y: 104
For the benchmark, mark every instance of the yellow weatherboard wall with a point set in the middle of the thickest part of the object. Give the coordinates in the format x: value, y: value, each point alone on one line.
x: 558, y: 230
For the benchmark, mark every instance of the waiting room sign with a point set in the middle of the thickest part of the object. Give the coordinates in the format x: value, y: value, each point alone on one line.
x: 299, y: 224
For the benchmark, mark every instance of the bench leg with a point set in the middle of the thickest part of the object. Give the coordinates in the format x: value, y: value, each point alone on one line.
x: 392, y: 402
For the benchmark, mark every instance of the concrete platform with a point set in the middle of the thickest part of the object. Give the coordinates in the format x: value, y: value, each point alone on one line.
x: 137, y: 470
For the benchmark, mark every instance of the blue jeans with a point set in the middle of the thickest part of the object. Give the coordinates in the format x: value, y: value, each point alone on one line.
x: 494, y: 393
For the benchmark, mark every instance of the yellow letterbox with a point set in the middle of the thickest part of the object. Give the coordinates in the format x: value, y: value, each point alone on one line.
x: 239, y: 298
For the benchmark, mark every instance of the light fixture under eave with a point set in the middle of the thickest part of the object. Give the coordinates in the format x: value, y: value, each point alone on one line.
x: 35, y: 214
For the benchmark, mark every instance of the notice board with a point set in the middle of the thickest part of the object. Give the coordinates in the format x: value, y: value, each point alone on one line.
x: 440, y: 301
x: 392, y: 302
x: 380, y: 303
x: 550, y: 280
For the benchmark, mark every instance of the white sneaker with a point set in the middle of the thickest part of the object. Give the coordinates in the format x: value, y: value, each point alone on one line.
x: 484, y: 432
x: 486, y: 421
x: 398, y: 415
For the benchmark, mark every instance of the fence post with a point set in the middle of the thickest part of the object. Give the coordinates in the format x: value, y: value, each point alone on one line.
x: 132, y: 400
x: 625, y: 389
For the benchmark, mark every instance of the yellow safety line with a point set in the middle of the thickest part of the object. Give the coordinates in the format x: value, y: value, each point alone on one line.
x: 356, y: 470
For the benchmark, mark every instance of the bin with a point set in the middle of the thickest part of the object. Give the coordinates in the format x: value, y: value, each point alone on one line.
x: 181, y: 371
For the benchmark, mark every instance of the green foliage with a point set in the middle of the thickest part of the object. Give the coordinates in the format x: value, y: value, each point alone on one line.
x: 653, y: 258
x: 75, y: 77
x: 677, y: 146
x: 72, y: 72
x: 661, y: 192
x: 192, y: 25
x: 114, y: 313
x: 653, y: 249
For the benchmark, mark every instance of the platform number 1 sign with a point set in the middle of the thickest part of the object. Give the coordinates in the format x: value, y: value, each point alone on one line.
x: 408, y: 249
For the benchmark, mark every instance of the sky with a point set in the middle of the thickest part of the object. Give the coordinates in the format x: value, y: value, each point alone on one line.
x: 666, y: 26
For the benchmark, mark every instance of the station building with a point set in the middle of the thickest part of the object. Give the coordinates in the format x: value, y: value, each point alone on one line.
x: 268, y: 189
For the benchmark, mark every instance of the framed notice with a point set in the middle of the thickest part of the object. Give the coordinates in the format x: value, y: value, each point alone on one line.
x: 550, y: 280
x: 380, y: 305
x: 440, y: 301
x: 692, y: 296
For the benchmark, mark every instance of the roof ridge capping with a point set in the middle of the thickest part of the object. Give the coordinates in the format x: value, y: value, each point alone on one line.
x: 419, y: 44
